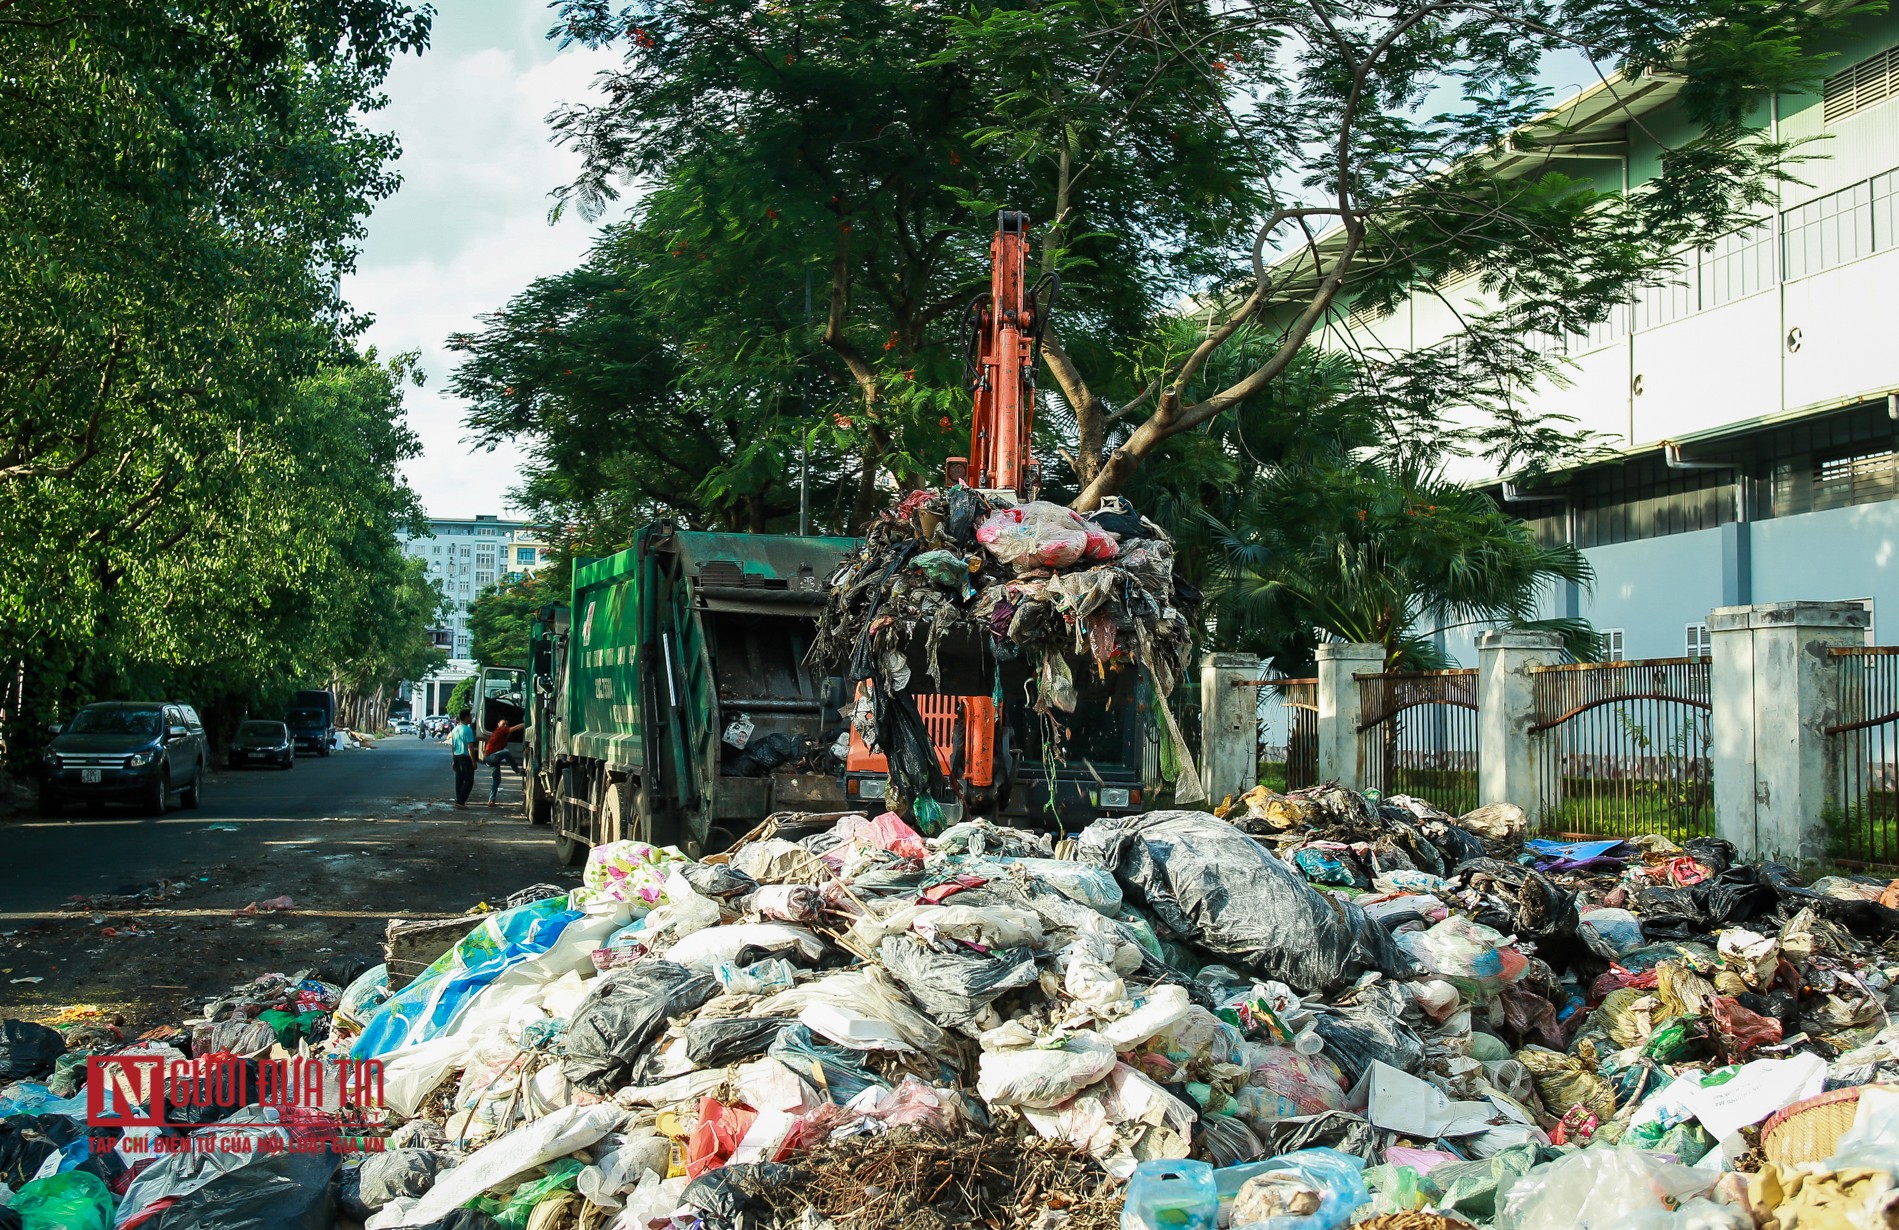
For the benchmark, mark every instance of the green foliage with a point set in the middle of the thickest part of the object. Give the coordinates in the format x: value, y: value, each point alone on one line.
x: 820, y: 180
x: 500, y: 619
x: 1380, y: 552
x: 198, y: 475
x: 463, y: 697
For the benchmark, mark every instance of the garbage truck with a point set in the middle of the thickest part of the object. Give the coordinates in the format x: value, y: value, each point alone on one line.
x: 668, y: 701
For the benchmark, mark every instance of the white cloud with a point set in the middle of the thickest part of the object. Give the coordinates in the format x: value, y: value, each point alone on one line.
x: 467, y: 230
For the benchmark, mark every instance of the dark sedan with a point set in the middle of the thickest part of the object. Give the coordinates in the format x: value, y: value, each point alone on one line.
x: 263, y: 743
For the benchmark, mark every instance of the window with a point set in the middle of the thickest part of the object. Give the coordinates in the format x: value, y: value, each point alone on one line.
x: 1857, y: 476
x: 483, y: 579
x: 1831, y: 231
x: 1673, y: 299
x: 524, y: 555
x: 1699, y: 645
x: 1612, y: 644
x: 1866, y: 84
x: 1737, y: 265
x: 1867, y: 604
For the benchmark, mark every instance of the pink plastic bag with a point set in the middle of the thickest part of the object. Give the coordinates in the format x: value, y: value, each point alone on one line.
x: 1101, y: 544
x: 886, y: 832
x: 1038, y: 533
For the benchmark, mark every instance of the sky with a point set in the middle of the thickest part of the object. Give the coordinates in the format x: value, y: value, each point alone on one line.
x: 468, y: 228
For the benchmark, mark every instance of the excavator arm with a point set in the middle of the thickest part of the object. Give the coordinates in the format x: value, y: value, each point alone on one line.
x: 1003, y: 343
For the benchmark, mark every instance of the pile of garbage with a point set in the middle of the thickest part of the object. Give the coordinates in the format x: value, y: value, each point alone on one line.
x: 957, y: 577
x: 1319, y: 1009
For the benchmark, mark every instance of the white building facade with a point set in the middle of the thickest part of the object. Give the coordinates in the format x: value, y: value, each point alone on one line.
x: 1752, y: 404
x: 466, y: 556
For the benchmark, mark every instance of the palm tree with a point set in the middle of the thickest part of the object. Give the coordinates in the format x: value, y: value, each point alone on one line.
x: 1383, y: 552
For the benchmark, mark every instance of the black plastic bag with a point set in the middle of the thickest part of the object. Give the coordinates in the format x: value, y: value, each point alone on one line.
x: 1333, y: 1129
x: 1737, y: 895
x: 915, y: 772
x: 277, y: 1191
x: 399, y: 1172
x: 1717, y: 854
x: 24, y: 1144
x: 952, y: 988
x: 1369, y: 1029
x: 1457, y: 845
x: 724, y: 1195
x: 713, y: 1044
x: 27, y: 1049
x: 845, y: 1073
x: 629, y: 1008
x: 1219, y: 890
x: 718, y: 880
x: 966, y: 511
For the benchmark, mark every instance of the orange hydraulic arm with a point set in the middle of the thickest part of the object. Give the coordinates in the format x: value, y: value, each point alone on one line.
x: 1005, y: 334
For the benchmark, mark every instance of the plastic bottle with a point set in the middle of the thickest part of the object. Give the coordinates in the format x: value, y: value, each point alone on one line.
x: 1171, y: 1195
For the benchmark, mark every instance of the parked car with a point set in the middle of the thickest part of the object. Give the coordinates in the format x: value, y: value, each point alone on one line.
x: 140, y: 752
x: 263, y: 743
x: 402, y: 726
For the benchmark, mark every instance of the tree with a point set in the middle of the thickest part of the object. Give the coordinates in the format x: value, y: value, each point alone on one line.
x: 1383, y: 553
x: 502, y: 617
x: 1174, y: 152
x: 194, y: 462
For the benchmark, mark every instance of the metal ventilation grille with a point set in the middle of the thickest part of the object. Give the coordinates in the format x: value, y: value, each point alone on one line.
x: 1872, y: 80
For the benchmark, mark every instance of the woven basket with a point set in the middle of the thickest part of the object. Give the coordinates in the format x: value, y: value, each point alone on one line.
x: 1413, y: 1221
x: 1809, y: 1131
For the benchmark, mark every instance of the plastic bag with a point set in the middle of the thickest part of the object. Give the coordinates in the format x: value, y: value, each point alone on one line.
x: 1171, y: 1195
x: 1461, y: 950
x: 628, y: 1009
x: 1620, y: 930
x: 845, y: 1075
x: 1038, y: 533
x: 397, y: 1173
x: 515, y: 1210
x: 758, y: 978
x: 28, y: 1049
x: 1015, y: 1069
x: 887, y: 832
x: 1090, y: 886
x: 1213, y: 884
x: 558, y: 1134
x: 276, y: 1191
x: 1312, y: 1189
x: 1564, y: 1082
x: 866, y: 993
x: 717, y: 1042
x: 955, y: 986
x: 1599, y: 1189
x: 707, y: 949
x: 75, y: 1200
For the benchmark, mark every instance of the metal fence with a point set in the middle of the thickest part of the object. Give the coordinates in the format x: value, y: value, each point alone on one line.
x: 1624, y: 748
x: 1863, y: 753
x: 1417, y: 735
x: 1289, y: 733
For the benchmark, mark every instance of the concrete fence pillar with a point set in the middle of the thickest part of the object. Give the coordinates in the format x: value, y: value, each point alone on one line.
x: 1773, y: 697
x: 1506, y: 709
x: 1339, y: 708
x: 1229, y: 723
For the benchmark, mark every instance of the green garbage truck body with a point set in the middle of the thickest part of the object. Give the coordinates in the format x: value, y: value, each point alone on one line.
x: 670, y: 658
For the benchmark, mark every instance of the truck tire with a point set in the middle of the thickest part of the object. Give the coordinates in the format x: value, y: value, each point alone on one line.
x: 159, y: 796
x: 619, y: 817
x: 189, y: 796
x: 534, y: 800
x: 571, y: 850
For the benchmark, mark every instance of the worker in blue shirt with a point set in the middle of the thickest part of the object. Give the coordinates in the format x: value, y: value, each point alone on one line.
x: 461, y: 746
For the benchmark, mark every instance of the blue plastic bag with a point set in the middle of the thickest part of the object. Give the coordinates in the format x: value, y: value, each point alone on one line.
x: 1171, y: 1195
x: 1339, y: 1178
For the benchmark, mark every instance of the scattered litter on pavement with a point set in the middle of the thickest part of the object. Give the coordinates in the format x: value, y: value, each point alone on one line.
x: 1317, y: 1009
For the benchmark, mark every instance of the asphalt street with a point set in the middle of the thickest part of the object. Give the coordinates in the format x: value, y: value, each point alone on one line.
x: 43, y: 863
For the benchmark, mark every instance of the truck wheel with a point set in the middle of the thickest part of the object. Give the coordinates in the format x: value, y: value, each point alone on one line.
x: 189, y: 798
x: 571, y: 853
x: 159, y: 796
x: 619, y: 820
x: 534, y: 800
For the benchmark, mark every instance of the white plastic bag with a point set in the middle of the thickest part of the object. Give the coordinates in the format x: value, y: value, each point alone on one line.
x: 708, y: 949
x: 535, y: 1144
x: 1599, y: 1189
x: 868, y: 992
x: 1045, y: 1074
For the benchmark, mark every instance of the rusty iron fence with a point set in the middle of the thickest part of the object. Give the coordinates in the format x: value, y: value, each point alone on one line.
x: 1624, y: 748
x: 1862, y: 817
x: 1288, y: 733
x: 1417, y: 735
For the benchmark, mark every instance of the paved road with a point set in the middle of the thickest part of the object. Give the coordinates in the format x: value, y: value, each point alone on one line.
x: 44, y: 862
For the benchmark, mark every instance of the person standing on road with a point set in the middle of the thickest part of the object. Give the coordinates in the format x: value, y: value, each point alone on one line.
x: 498, y: 754
x: 461, y: 748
